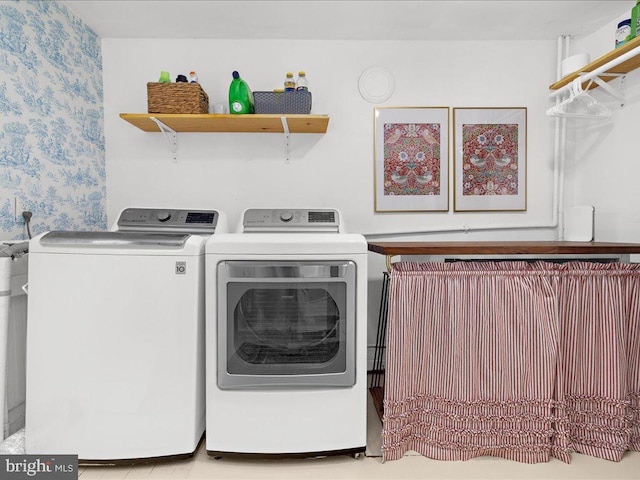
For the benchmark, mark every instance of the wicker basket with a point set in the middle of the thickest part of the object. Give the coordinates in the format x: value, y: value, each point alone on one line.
x: 176, y: 98
x: 297, y: 101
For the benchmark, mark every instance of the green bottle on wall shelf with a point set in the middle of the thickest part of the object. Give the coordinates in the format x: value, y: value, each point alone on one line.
x: 240, y: 96
x: 635, y: 17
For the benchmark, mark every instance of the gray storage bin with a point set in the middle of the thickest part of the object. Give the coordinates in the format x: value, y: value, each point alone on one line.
x: 295, y: 102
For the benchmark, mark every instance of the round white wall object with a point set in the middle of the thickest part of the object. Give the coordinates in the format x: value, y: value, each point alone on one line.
x: 376, y: 84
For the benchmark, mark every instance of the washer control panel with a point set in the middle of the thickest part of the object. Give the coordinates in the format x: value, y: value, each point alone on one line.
x: 168, y: 220
x: 290, y: 220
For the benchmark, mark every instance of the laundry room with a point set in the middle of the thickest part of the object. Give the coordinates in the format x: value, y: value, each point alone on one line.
x: 314, y: 214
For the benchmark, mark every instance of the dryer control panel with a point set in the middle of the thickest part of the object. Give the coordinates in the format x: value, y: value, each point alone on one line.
x: 290, y: 220
x: 168, y: 220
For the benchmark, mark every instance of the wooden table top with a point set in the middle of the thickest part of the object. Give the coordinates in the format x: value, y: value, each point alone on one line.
x: 502, y: 248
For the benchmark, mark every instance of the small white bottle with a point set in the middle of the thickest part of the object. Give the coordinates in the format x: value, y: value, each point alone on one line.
x: 289, y: 82
x: 302, y: 83
x: 193, y: 78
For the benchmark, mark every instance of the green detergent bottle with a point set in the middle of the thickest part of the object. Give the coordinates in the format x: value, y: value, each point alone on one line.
x: 635, y: 21
x: 240, y: 96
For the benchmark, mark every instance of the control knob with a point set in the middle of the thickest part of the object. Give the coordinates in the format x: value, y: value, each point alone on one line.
x: 163, y: 216
x: 286, y: 216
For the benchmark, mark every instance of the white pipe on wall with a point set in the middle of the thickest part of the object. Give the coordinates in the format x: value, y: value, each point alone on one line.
x: 561, y: 42
x: 558, y: 171
x: 466, y: 228
x: 561, y: 139
x: 563, y: 148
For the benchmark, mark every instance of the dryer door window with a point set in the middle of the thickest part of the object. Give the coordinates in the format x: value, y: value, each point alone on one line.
x: 288, y: 327
x: 289, y: 323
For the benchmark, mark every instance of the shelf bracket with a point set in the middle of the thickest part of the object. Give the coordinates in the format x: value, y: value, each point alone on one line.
x: 285, y: 127
x: 609, y: 89
x: 169, y: 135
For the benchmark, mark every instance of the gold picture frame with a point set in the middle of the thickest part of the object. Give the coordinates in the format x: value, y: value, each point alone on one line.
x: 411, y: 159
x: 490, y: 159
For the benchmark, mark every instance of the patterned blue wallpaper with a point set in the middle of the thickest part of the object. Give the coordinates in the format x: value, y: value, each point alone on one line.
x: 51, y: 127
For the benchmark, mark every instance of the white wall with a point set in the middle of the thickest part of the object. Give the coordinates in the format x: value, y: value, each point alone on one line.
x: 236, y: 171
x: 603, y: 164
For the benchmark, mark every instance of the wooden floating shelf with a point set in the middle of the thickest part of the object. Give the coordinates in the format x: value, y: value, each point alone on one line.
x: 625, y: 67
x: 253, y: 123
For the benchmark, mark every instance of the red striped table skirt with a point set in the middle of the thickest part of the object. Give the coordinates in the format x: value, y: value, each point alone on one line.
x: 525, y: 361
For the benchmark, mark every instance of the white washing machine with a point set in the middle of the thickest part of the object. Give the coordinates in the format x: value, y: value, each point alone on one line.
x: 115, y: 338
x: 286, y: 336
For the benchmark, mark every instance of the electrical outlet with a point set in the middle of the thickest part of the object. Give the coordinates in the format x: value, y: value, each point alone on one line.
x: 18, y: 208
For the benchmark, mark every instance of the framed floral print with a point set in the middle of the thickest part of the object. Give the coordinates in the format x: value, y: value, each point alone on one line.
x: 490, y: 160
x: 411, y: 159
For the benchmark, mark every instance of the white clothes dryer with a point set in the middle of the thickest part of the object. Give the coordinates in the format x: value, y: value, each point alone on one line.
x: 286, y: 336
x: 115, y: 338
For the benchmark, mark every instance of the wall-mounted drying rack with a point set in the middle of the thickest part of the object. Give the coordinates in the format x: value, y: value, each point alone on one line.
x: 616, y: 63
x: 171, y: 124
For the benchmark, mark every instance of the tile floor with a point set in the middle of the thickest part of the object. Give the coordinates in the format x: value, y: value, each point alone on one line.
x: 411, y: 466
